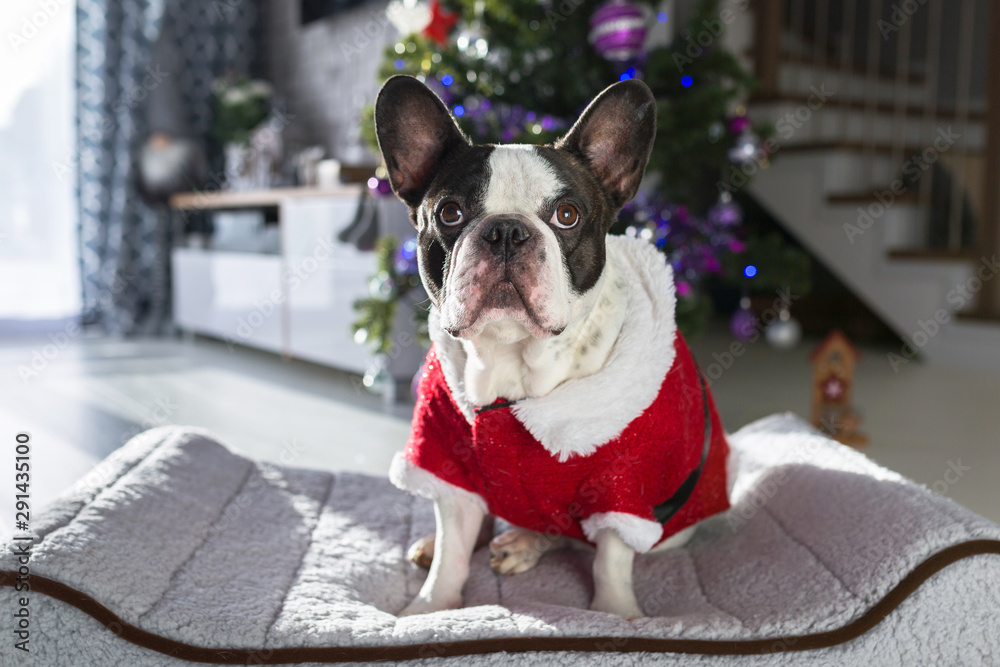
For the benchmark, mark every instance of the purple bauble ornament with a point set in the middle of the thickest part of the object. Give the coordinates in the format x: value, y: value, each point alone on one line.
x: 681, y: 214
x: 744, y: 322
x: 737, y: 124
x: 406, y: 258
x: 726, y: 214
x: 618, y: 30
x: 379, y: 187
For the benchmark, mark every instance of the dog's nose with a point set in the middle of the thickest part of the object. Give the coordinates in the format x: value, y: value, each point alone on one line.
x: 504, y: 235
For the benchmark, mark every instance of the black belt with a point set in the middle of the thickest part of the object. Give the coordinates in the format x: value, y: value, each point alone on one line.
x: 496, y: 406
x: 668, y: 508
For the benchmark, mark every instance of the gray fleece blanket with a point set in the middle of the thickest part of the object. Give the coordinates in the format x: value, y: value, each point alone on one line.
x: 178, y: 549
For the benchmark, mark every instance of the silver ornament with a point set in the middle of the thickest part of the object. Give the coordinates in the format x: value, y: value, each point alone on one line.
x: 381, y: 286
x: 785, y: 332
x: 377, y: 377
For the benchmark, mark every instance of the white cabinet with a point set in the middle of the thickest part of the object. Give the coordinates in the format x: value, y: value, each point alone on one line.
x: 299, y: 303
x: 233, y: 296
x: 325, y: 277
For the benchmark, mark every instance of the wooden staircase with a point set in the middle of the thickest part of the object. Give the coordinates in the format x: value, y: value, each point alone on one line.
x: 889, y: 182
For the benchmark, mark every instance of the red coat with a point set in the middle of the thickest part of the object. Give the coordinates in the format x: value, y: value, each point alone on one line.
x: 498, y: 459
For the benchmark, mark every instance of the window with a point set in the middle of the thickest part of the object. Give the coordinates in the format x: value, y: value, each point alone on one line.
x: 39, y: 275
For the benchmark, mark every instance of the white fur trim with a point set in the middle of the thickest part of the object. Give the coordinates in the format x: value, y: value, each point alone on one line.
x: 633, y: 374
x: 575, y: 418
x: 410, y: 477
x: 640, y: 534
x: 452, y: 356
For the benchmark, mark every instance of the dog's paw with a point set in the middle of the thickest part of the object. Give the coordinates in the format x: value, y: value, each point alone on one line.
x: 518, y: 550
x: 421, y: 552
x: 624, y: 606
x: 422, y: 605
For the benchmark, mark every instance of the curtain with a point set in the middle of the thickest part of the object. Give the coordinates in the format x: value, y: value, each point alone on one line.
x: 129, y: 51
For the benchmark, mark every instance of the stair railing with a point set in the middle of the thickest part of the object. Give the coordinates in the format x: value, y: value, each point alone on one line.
x: 989, y: 232
x: 918, y: 68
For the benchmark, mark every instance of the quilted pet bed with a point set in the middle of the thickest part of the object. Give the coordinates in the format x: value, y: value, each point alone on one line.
x: 179, y: 549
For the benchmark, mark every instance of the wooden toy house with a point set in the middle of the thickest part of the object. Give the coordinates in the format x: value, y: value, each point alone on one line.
x: 832, y: 389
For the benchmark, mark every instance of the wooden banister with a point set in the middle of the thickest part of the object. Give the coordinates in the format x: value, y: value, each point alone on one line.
x: 768, y: 26
x: 989, y: 233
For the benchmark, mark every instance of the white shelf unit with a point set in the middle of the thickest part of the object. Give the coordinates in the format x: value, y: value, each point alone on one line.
x: 298, y: 303
x: 229, y: 295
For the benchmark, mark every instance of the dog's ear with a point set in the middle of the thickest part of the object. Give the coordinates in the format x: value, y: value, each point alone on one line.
x: 414, y: 132
x: 614, y: 136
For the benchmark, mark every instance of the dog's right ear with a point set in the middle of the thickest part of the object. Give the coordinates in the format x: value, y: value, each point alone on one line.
x: 415, y: 131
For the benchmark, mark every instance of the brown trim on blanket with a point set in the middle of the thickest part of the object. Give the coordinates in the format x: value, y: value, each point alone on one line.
x: 870, y: 619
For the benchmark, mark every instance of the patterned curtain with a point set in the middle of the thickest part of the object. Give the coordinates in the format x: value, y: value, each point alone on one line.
x: 121, y: 61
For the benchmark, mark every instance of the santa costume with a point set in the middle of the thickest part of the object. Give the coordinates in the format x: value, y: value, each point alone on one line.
x: 636, y: 447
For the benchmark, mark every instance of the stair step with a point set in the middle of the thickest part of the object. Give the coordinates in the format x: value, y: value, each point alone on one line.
x: 985, y: 316
x: 911, y: 110
x: 788, y: 56
x: 860, y: 147
x: 835, y: 67
x: 933, y: 255
x: 869, y: 196
x: 804, y: 79
x: 815, y: 121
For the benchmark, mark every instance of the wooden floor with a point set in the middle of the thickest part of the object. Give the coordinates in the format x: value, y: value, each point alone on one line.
x: 94, y: 394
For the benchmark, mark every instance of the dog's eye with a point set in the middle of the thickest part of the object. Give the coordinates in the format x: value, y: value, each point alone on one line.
x: 565, y: 216
x: 450, y: 214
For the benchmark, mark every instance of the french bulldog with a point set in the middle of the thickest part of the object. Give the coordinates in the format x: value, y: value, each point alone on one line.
x: 558, y: 394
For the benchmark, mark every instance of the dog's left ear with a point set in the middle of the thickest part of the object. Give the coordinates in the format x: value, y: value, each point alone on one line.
x: 614, y: 136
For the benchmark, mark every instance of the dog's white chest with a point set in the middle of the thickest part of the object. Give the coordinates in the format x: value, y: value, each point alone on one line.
x: 531, y: 367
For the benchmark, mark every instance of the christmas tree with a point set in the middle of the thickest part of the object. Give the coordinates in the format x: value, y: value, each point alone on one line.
x: 521, y: 71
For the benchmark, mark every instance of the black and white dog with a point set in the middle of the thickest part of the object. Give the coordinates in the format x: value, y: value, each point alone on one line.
x: 557, y: 394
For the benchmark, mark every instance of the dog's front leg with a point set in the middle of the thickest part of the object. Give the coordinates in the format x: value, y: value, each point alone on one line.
x: 458, y: 522
x: 613, y: 590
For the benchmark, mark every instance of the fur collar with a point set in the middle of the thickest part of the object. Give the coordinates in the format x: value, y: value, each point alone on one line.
x: 633, y: 375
